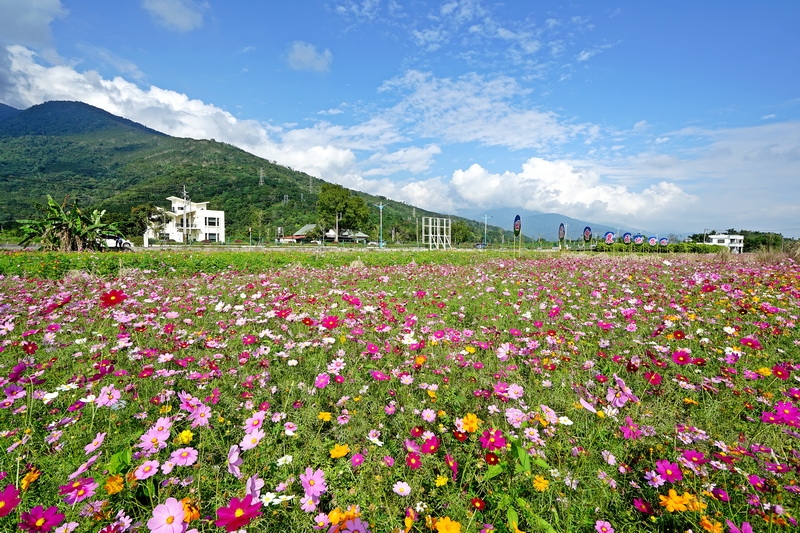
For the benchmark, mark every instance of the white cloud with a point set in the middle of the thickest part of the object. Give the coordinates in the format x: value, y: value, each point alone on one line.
x: 28, y: 22
x: 413, y: 159
x: 475, y: 109
x: 560, y: 186
x: 305, y: 56
x: 180, y: 15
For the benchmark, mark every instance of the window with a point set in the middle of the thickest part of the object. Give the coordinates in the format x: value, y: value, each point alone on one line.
x: 213, y: 237
x: 212, y: 221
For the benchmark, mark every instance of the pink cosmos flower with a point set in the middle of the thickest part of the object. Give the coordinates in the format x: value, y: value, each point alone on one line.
x: 602, y: 526
x: 313, y: 482
x: 234, y: 461
x: 255, y: 421
x: 184, y: 456
x: 146, y: 470
x: 251, y: 439
x: 168, y: 517
x: 96, y: 443
x: 109, y: 395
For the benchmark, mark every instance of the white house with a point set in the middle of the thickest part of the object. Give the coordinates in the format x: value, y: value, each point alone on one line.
x: 735, y: 243
x: 188, y: 221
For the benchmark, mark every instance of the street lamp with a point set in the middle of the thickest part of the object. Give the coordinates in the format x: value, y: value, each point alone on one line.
x: 380, y: 238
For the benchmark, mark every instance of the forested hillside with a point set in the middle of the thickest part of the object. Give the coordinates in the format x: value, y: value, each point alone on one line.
x: 71, y: 149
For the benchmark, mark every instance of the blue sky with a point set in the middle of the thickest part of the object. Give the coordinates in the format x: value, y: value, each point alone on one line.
x: 670, y: 117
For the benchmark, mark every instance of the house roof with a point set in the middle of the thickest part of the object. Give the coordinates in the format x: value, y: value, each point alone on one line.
x: 304, y: 230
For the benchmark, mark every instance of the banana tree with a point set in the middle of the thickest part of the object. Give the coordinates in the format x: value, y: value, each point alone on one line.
x: 66, y: 230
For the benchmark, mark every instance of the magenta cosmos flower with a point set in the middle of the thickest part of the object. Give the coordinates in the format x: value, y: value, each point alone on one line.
x: 9, y: 499
x: 238, y: 513
x: 492, y: 439
x: 669, y: 471
x: 313, y: 482
x: 40, y: 519
x: 168, y: 518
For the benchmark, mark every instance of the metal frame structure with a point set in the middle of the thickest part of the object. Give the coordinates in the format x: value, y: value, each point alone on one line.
x: 436, y: 233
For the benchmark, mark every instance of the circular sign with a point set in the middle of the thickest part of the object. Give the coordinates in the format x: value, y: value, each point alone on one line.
x: 652, y: 241
x: 638, y: 239
x: 587, y: 234
x: 626, y: 237
x: 609, y: 236
x: 517, y: 225
x: 663, y: 241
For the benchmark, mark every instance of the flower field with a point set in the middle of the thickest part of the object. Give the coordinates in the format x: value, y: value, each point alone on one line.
x: 564, y: 394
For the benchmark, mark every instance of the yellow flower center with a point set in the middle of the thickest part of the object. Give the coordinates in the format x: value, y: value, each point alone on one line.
x: 170, y: 519
x: 239, y: 512
x: 40, y: 522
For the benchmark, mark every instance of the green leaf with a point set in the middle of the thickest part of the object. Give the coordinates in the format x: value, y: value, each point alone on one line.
x: 120, y: 461
x: 541, y: 463
x: 534, y: 518
x: 513, y: 518
x: 493, y: 471
x: 523, y: 457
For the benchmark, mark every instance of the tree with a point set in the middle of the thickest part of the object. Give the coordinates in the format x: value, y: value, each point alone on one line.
x: 335, y: 200
x: 462, y: 232
x: 149, y: 216
x: 67, y: 230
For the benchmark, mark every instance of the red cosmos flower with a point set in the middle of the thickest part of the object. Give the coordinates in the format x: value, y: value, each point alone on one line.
x: 478, y: 504
x: 460, y: 435
x: 112, y: 298
x: 780, y: 372
x: 678, y: 334
x: 412, y: 461
x: 238, y: 513
x: 29, y: 347
x: 492, y: 458
x: 653, y: 378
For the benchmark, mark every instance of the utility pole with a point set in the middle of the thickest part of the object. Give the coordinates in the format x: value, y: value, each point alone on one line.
x: 380, y: 238
x: 336, y: 237
x: 185, y: 229
x: 485, y: 218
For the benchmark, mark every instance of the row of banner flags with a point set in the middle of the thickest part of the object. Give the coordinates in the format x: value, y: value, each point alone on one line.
x: 609, y: 237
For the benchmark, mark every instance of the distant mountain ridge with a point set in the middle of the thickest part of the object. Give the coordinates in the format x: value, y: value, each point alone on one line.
x: 75, y: 150
x: 64, y: 118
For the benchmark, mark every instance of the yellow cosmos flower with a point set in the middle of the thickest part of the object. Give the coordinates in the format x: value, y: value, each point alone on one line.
x: 32, y: 475
x: 674, y: 502
x: 441, y: 480
x: 470, y: 422
x: 340, y: 450
x: 445, y: 525
x: 185, y: 436
x: 540, y: 483
x: 114, y: 484
x: 324, y: 416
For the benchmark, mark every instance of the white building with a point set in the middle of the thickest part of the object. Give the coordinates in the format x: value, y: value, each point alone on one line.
x: 188, y: 222
x: 735, y: 243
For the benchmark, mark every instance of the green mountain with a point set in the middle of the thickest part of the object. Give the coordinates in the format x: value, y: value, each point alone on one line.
x: 74, y: 150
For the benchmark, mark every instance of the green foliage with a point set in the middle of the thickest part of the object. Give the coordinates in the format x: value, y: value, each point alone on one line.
x: 67, y: 230
x: 336, y: 201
